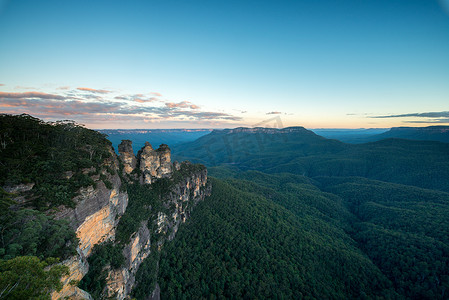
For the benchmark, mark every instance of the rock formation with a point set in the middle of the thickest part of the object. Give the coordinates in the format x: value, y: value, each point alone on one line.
x: 127, y: 156
x: 153, y: 164
x: 98, y: 211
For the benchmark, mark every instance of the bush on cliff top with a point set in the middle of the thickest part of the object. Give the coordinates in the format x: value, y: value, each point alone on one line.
x: 45, y: 153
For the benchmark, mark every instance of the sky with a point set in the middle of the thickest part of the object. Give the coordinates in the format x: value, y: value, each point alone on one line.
x: 222, y: 64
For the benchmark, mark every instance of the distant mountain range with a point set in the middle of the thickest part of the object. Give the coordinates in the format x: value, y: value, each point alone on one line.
x: 154, y: 136
x: 300, y: 151
x: 431, y: 133
x: 358, y: 136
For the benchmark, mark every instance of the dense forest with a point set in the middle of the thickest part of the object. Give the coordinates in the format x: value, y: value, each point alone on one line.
x: 289, y: 236
x: 375, y: 212
x: 292, y: 215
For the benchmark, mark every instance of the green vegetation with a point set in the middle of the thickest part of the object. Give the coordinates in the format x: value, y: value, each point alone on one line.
x: 146, y: 275
x: 104, y: 256
x: 55, y: 160
x: 403, y: 229
x: 146, y: 200
x: 389, y: 240
x: 28, y: 232
x: 28, y: 277
x: 144, y: 203
x: 50, y: 155
x: 240, y: 244
x: 420, y: 163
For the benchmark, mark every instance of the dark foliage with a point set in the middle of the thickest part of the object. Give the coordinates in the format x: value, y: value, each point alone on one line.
x: 103, y: 257
x: 32, y: 150
x: 32, y: 233
x: 239, y: 244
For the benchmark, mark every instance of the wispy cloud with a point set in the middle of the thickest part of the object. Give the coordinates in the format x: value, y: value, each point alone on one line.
x: 34, y: 95
x: 183, y: 104
x: 98, y: 106
x: 274, y: 113
x: 438, y: 117
x: 93, y: 90
x: 1, y: 84
x: 440, y: 114
x: 156, y: 94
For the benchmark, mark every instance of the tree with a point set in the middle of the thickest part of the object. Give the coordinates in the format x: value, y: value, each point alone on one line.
x: 27, y: 277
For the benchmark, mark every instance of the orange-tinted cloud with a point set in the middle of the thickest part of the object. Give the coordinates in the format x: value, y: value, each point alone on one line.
x: 38, y: 95
x: 93, y: 90
x: 156, y: 94
x: 183, y: 104
x: 274, y: 113
x: 140, y: 100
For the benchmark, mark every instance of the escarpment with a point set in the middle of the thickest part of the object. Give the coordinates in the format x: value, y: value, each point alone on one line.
x: 170, y: 193
x: 95, y: 216
x: 99, y: 220
x: 161, y: 197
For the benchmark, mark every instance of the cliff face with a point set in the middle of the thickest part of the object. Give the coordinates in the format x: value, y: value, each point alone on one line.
x: 177, y: 203
x: 94, y: 218
x: 98, y: 211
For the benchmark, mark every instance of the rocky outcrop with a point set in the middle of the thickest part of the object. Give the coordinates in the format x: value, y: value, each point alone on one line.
x: 154, y: 164
x: 98, y: 210
x: 178, y: 204
x: 127, y: 156
x: 94, y: 218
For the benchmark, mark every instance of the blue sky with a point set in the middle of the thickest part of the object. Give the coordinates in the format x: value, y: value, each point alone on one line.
x: 191, y: 63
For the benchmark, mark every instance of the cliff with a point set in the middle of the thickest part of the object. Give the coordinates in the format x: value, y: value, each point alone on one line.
x: 184, y: 185
x: 66, y: 196
x: 94, y: 218
x: 161, y: 197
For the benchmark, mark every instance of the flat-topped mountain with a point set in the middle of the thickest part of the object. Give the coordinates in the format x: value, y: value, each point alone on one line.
x: 300, y: 151
x: 430, y: 133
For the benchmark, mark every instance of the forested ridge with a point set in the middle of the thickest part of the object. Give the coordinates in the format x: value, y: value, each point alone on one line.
x: 372, y: 214
x: 44, y: 164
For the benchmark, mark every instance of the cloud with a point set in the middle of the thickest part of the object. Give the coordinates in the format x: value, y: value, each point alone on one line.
x: 93, y: 90
x: 441, y: 114
x: 1, y: 84
x: 183, y: 104
x: 33, y: 95
x: 97, y: 108
x: 274, y: 113
x: 156, y: 94
x: 57, y: 109
x: 435, y: 121
x: 140, y: 100
x: 63, y: 88
x: 20, y: 87
x: 71, y: 107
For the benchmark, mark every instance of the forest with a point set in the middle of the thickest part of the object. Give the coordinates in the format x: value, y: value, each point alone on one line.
x: 343, y: 221
x: 292, y: 215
